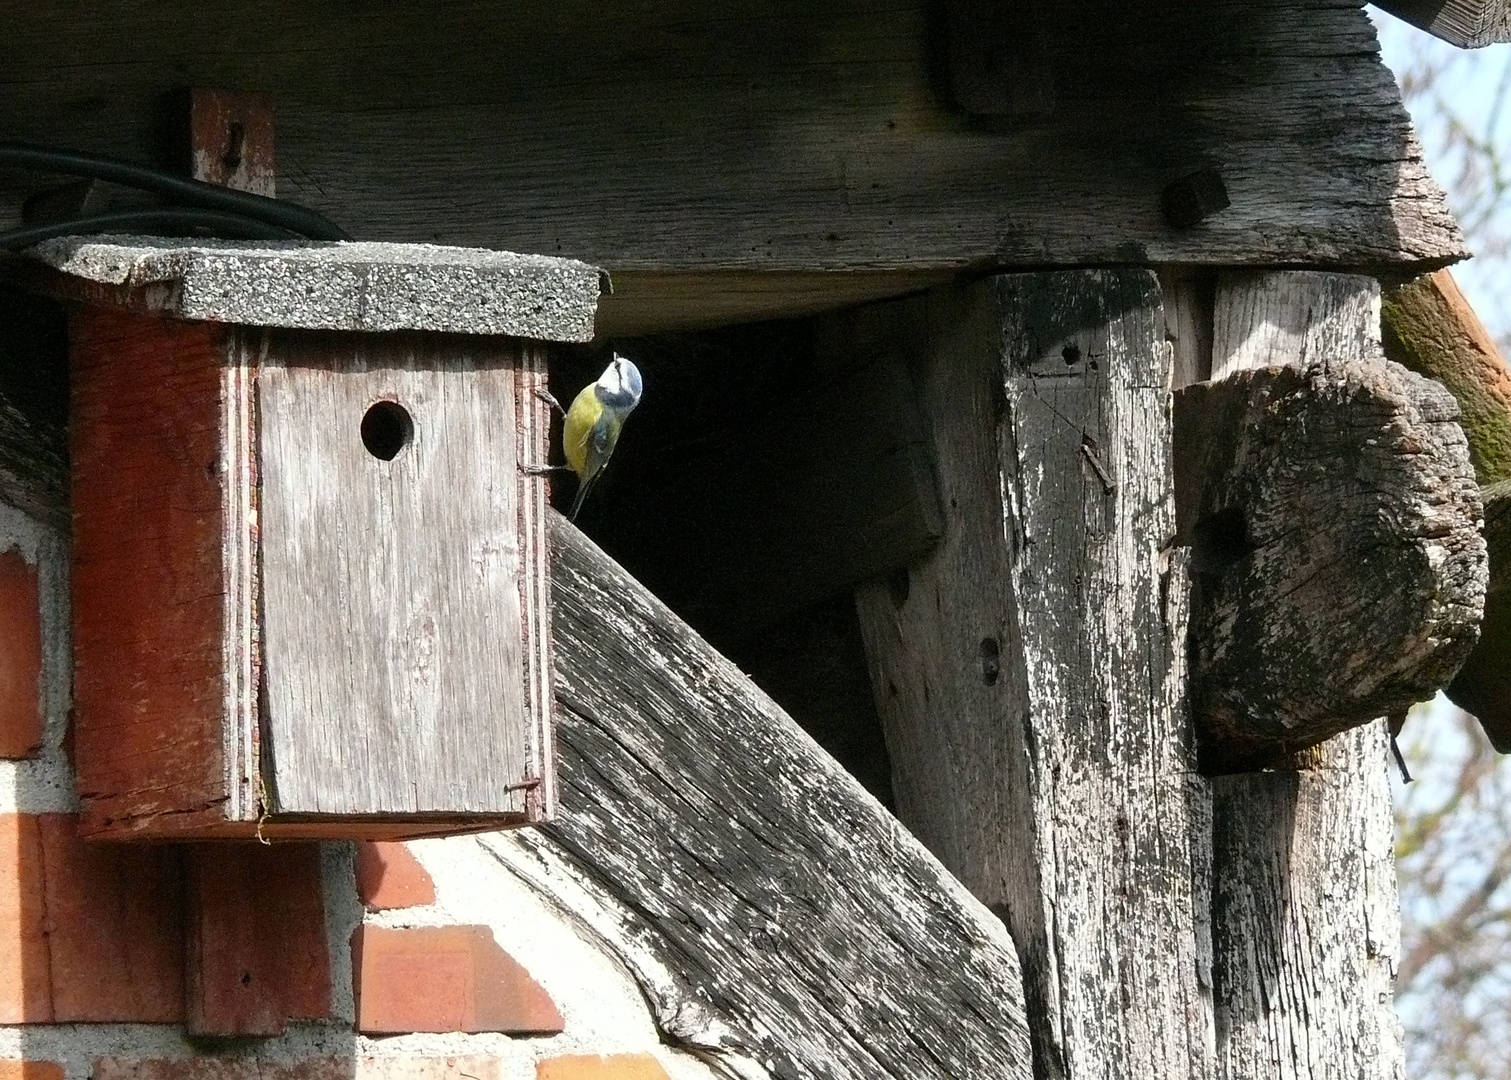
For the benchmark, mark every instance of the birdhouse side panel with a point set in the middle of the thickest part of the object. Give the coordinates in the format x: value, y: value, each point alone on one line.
x: 149, y: 473
x: 397, y: 646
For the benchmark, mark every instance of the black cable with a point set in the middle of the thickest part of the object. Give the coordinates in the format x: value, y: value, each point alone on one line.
x: 235, y: 226
x: 286, y: 215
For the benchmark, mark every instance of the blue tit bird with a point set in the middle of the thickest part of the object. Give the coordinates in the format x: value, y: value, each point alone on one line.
x: 593, y: 423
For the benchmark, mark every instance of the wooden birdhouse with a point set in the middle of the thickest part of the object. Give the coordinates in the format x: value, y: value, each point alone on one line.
x: 309, y: 583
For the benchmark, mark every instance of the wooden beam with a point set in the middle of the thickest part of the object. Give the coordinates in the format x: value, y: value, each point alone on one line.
x: 814, y: 142
x: 1305, y: 920
x: 1483, y: 684
x: 231, y: 140
x: 1469, y: 24
x: 780, y: 922
x: 1028, y: 671
x: 1430, y: 327
x: 1334, y: 521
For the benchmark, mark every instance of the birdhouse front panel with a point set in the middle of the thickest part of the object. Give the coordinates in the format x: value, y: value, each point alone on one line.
x: 393, y: 598
x: 310, y: 583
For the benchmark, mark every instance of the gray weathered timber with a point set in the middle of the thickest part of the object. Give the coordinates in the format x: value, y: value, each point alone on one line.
x: 33, y: 466
x: 1029, y: 671
x: 1340, y: 571
x: 1333, y: 948
x: 1306, y: 923
x: 1469, y: 24
x: 396, y: 666
x: 785, y: 136
x: 780, y: 922
x: 338, y: 286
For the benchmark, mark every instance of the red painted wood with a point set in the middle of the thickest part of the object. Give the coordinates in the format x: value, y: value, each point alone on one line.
x: 256, y: 953
x: 20, y: 658
x: 147, y: 571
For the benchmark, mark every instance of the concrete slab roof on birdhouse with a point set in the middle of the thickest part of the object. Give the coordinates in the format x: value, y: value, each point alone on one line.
x: 337, y: 286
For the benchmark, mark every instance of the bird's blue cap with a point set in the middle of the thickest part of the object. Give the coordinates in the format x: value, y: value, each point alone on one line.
x: 619, y: 386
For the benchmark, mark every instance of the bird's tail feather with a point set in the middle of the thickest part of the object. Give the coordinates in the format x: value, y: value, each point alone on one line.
x: 582, y: 493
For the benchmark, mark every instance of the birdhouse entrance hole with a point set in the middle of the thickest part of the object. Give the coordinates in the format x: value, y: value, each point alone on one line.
x: 387, y: 428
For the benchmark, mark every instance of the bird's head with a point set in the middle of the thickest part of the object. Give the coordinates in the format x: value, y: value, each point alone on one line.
x: 619, y: 385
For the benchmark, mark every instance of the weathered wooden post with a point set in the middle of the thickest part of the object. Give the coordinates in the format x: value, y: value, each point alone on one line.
x: 1029, y: 671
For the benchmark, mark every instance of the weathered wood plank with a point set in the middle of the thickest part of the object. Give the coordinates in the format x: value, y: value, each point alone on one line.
x: 1029, y: 673
x: 1304, y: 951
x: 1340, y: 572
x: 148, y: 581
x: 1469, y: 24
x: 788, y: 136
x: 387, y: 691
x: 780, y: 921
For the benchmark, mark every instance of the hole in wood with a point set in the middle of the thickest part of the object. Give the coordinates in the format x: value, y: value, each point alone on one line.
x: 386, y: 429
x: 991, y: 660
x: 1221, y: 540
x: 1071, y: 354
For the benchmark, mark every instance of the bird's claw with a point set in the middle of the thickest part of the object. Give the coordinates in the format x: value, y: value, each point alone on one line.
x: 550, y: 399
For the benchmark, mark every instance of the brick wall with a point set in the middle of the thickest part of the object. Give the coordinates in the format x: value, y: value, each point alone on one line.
x: 419, y: 961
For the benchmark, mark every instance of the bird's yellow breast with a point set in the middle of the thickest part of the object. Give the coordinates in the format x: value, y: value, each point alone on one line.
x: 577, y: 431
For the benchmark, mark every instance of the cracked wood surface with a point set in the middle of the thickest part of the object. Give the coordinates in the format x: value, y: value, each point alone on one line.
x: 1340, y: 571
x: 1305, y: 917
x: 1029, y: 671
x: 780, y: 922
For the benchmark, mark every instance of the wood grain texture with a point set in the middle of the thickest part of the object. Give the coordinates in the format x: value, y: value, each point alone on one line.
x: 779, y: 921
x: 1029, y: 674
x: 787, y: 136
x: 255, y: 953
x: 1430, y: 327
x: 148, y: 582
x: 1306, y: 923
x: 1469, y: 24
x: 33, y: 465
x: 1340, y: 571
x: 231, y: 140
x: 1333, y: 947
x: 393, y: 615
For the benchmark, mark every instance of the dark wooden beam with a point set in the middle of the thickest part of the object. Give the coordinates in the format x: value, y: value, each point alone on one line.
x: 1469, y: 24
x: 1339, y: 569
x: 773, y: 913
x: 692, y: 148
x: 1483, y: 684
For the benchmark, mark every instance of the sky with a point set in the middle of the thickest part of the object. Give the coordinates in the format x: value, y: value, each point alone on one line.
x: 1460, y: 102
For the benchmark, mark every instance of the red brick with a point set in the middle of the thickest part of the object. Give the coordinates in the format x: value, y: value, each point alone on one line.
x: 388, y: 876
x: 444, y: 978
x: 593, y: 1067
x: 30, y: 1070
x: 238, y: 1067
x: 20, y: 658
x: 114, y: 928
x: 25, y: 982
x: 257, y: 955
